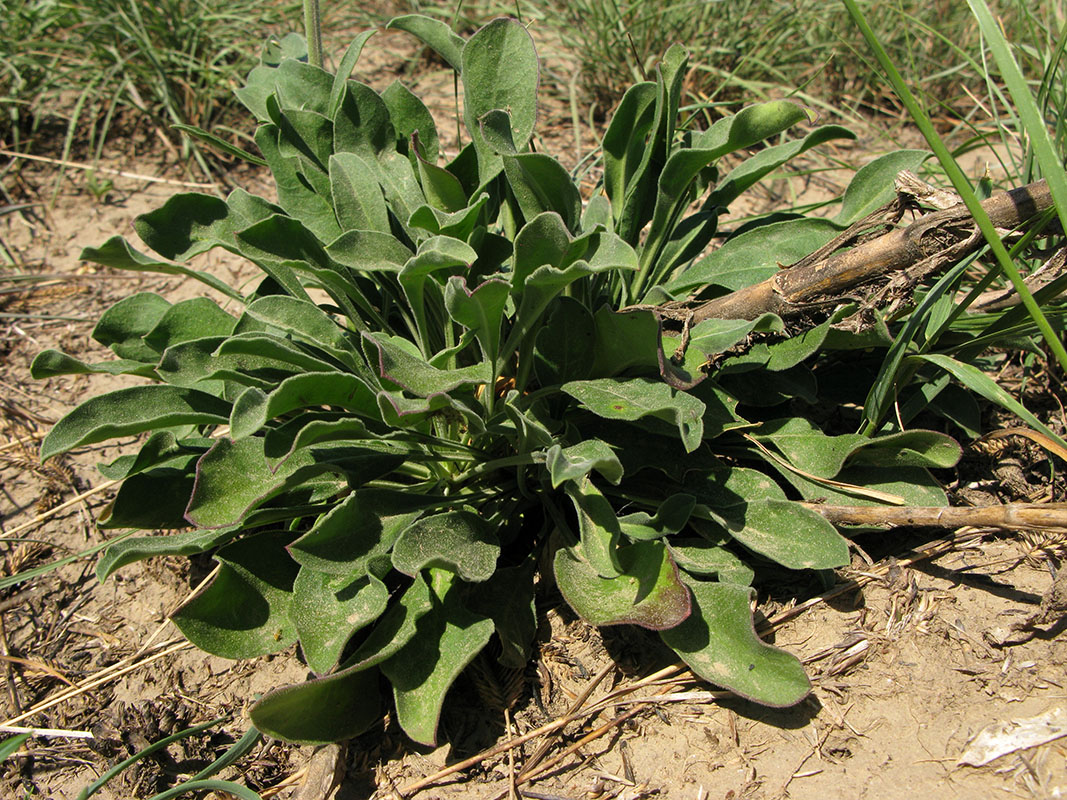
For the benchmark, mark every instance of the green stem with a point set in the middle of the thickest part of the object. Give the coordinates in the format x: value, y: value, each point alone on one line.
x: 313, y: 32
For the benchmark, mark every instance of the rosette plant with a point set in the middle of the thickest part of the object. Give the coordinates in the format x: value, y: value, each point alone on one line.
x: 448, y: 392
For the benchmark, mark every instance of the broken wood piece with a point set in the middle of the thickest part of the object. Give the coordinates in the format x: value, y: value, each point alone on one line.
x: 792, y: 290
x: 1011, y: 516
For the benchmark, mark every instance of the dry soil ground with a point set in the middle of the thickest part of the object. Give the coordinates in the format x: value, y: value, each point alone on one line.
x: 906, y: 651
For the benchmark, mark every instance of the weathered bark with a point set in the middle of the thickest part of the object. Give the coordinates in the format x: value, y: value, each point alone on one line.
x: 793, y: 290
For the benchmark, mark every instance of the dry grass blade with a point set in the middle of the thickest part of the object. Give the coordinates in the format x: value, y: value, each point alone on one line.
x: 117, y: 172
x: 61, y: 507
x: 1038, y: 438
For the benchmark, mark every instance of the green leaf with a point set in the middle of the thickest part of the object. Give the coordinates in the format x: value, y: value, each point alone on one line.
x: 233, y: 477
x: 499, y: 69
x: 707, y: 339
x: 410, y: 117
x: 480, y: 310
x: 189, y: 319
x: 447, y: 639
x: 626, y: 154
x: 50, y: 363
x: 913, y: 485
x: 326, y: 612
x: 189, y: 224
x: 647, y: 591
x: 508, y: 599
x: 155, y: 498
x: 671, y: 516
x: 755, y: 255
x: 435, y: 34
x: 456, y: 541
x: 396, y: 364
x: 369, y: 251
x: 330, y: 709
x: 789, y: 534
x: 244, y: 613
x: 357, y: 197
x: 710, y: 559
x: 719, y: 643
x: 344, y: 71
x: 160, y: 449
x: 873, y: 184
x: 133, y: 410
x: 624, y: 340
x: 579, y: 460
x: 598, y: 527
x: 565, y: 347
x: 123, y: 326
x: 11, y: 745
x: 302, y: 320
x: 186, y: 543
x: 254, y: 408
x: 442, y: 189
x: 363, y: 526
x: 540, y: 184
x: 807, y: 448
x: 631, y: 399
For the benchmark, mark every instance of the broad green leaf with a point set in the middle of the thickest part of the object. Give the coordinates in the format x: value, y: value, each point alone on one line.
x: 541, y: 184
x: 499, y: 69
x: 304, y: 133
x: 626, y: 153
x: 708, y: 339
x: 706, y: 558
x: 363, y: 526
x: 133, y: 410
x: 873, y: 184
x: 435, y: 34
x: 50, y: 363
x: 396, y: 364
x: 545, y: 240
x: 762, y: 388
x: 442, y: 189
x: 756, y: 167
x: 152, y: 499
x: 598, y: 527
x: 806, y: 447
x: 369, y: 251
x: 914, y: 486
x: 395, y: 628
x: 508, y: 599
x: 357, y: 197
x: 447, y: 639
x: 161, y: 449
x: 254, y: 408
x: 908, y: 449
x: 459, y: 225
x: 565, y: 347
x: 244, y: 613
x: 186, y: 543
x: 756, y: 254
x: 189, y: 224
x: 671, y: 516
x: 189, y: 319
x: 577, y: 461
x: 233, y: 477
x: 480, y: 310
x: 316, y: 427
x: 746, y: 128
x: 456, y: 541
x: 331, y: 709
x: 647, y: 592
x: 122, y: 327
x: 326, y: 612
x: 631, y: 399
x: 783, y: 355
x: 218, y: 143
x: 295, y: 195
x: 301, y: 320
x: 410, y: 117
x: 624, y: 340
x: 790, y: 534
x: 301, y: 85
x: 719, y: 643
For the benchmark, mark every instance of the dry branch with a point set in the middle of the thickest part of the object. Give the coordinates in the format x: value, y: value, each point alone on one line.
x: 1012, y: 516
x: 793, y: 290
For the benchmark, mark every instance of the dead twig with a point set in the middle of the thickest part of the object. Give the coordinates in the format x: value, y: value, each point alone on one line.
x: 1011, y: 516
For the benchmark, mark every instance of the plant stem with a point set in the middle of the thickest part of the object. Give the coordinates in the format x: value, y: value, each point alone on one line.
x: 313, y: 32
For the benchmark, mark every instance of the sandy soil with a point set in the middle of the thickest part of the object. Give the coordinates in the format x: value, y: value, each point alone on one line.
x: 907, y: 650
